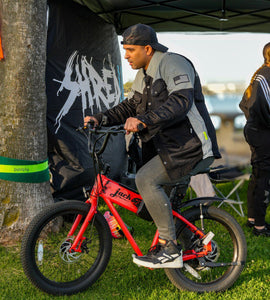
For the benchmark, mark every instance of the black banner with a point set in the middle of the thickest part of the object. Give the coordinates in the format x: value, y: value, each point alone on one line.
x: 83, y: 77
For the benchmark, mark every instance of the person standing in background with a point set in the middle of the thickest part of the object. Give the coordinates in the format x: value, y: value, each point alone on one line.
x: 256, y: 106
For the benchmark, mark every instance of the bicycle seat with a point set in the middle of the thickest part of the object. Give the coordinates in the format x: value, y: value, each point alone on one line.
x: 202, y: 167
x: 207, y: 170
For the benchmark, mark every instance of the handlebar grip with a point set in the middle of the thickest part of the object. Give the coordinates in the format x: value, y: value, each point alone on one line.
x: 140, y: 127
x: 91, y: 122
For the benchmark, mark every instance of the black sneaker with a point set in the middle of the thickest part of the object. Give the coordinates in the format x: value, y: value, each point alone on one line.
x: 161, y: 256
x: 261, y: 232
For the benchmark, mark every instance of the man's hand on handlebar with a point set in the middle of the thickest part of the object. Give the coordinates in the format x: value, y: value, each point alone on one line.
x: 133, y: 125
x: 89, y: 119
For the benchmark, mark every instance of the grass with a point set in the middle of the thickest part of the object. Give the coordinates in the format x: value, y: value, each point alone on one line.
x: 124, y: 280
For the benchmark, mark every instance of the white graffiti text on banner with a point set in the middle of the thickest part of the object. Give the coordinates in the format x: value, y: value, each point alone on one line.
x: 82, y: 80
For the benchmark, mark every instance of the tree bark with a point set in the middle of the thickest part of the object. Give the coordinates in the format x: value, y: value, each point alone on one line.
x: 22, y: 110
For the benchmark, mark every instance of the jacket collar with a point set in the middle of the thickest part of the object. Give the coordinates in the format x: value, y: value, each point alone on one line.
x: 139, y: 83
x: 153, y: 65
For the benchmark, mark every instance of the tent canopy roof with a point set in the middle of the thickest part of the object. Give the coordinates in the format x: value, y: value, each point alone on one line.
x: 185, y: 15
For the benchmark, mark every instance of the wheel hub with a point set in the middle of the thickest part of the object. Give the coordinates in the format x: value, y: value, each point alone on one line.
x: 214, y: 254
x: 66, y: 255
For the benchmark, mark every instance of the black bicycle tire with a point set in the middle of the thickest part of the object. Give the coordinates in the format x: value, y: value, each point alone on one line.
x: 226, y: 281
x: 31, y: 235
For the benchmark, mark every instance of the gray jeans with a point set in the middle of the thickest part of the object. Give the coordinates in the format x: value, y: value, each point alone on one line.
x: 149, y: 180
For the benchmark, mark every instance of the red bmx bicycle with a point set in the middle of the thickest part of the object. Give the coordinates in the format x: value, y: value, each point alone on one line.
x: 67, y: 246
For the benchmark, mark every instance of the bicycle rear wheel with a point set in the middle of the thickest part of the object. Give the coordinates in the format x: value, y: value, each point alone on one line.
x: 45, y: 254
x: 228, y: 248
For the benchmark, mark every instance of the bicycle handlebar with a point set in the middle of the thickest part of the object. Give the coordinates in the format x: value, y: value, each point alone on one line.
x: 114, y: 130
x: 111, y: 130
x: 103, y: 132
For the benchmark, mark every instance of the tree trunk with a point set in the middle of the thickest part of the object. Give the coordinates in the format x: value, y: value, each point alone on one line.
x: 22, y: 110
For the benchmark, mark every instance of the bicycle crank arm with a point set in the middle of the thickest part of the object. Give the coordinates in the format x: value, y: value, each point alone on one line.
x: 216, y: 264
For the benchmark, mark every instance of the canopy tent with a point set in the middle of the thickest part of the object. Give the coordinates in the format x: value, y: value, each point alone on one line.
x: 185, y: 15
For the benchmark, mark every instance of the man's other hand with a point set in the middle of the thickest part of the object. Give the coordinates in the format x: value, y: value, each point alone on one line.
x: 90, y: 118
x: 131, y: 125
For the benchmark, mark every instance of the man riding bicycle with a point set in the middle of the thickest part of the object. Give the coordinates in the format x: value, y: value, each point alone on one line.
x: 177, y: 132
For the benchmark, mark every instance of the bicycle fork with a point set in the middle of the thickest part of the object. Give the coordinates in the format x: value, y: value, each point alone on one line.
x: 93, y: 200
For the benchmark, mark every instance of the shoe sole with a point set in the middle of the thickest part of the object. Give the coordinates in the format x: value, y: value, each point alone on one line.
x: 250, y: 225
x: 175, y: 264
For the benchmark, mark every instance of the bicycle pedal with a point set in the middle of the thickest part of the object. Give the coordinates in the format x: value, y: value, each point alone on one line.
x: 191, y: 271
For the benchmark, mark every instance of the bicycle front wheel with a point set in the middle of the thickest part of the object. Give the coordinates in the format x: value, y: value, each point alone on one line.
x: 219, y: 269
x: 45, y: 254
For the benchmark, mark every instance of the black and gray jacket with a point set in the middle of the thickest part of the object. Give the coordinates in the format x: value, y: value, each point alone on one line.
x: 168, y: 99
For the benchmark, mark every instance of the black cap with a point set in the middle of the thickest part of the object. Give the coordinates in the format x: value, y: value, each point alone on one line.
x: 142, y: 35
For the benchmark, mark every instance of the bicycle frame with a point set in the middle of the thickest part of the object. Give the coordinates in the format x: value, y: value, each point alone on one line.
x: 114, y: 193
x: 68, y: 245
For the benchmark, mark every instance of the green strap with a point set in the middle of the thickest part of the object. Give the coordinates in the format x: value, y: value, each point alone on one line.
x: 24, y: 170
